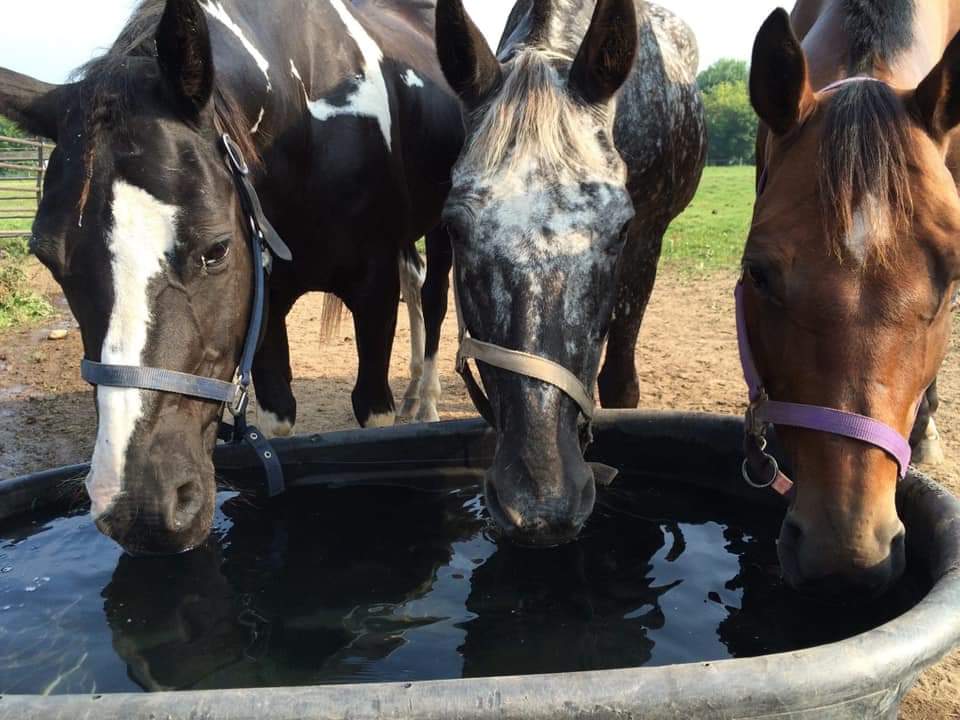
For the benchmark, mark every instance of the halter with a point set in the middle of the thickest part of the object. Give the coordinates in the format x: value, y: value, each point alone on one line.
x: 764, y: 412
x: 515, y: 361
x: 265, y: 244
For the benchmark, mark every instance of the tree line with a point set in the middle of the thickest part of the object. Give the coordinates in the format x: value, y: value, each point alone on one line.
x: 731, y: 122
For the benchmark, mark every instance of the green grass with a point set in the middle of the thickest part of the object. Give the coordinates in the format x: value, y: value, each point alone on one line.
x: 18, y: 304
x: 22, y: 189
x: 710, y: 234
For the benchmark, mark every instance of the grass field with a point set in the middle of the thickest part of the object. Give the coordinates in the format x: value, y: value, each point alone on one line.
x: 710, y: 235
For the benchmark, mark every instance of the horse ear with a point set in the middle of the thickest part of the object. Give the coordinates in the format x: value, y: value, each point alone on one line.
x: 31, y: 104
x: 936, y: 101
x: 779, y: 85
x: 468, y: 63
x: 185, y: 55
x: 607, y: 53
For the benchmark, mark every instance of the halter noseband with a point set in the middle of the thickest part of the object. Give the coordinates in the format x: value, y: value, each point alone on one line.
x: 764, y: 412
x: 265, y: 244
x: 515, y: 361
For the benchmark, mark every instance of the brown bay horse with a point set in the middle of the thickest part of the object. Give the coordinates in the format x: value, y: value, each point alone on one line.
x: 852, y: 259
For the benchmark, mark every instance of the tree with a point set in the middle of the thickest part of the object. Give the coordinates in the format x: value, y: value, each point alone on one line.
x: 9, y: 129
x: 731, y: 124
x: 725, y: 70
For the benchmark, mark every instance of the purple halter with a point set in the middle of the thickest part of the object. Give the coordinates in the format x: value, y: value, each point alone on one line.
x: 764, y: 412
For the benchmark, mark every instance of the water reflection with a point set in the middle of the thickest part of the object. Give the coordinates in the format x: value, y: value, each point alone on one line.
x: 364, y: 584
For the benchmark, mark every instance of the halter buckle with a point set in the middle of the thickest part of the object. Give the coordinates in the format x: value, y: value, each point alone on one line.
x: 755, y: 426
x: 241, y: 400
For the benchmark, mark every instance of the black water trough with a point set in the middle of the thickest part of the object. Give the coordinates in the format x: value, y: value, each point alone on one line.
x: 865, y: 676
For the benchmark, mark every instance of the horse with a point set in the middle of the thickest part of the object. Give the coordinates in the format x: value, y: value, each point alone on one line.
x: 585, y: 138
x: 341, y: 117
x: 850, y: 266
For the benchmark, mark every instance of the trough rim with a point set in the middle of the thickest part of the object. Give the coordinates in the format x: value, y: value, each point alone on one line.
x: 877, y: 666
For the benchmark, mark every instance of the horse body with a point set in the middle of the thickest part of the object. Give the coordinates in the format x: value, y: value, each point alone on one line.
x: 349, y: 132
x: 852, y: 259
x: 558, y: 208
x: 357, y: 133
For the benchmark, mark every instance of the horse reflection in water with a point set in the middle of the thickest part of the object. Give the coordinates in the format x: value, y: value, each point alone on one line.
x: 315, y: 606
x: 565, y: 610
x: 315, y: 593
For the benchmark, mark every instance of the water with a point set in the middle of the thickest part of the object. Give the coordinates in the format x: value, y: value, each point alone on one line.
x: 365, y: 585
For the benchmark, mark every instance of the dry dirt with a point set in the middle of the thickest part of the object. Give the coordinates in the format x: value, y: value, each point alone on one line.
x: 687, y: 353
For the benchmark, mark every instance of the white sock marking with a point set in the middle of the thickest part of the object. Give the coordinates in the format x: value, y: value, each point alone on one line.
x: 411, y: 284
x: 381, y: 420
x: 272, y: 425
x: 430, y: 391
x: 144, y: 233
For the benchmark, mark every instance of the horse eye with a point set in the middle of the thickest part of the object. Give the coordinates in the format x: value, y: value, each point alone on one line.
x: 216, y: 255
x: 758, y: 277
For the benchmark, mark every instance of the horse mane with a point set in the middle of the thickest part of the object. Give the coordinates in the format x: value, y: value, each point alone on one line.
x: 863, y: 156
x: 106, y: 86
x: 878, y: 30
x: 533, y: 116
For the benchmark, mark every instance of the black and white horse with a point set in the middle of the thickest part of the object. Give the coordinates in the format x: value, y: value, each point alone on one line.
x: 585, y: 138
x: 342, y: 111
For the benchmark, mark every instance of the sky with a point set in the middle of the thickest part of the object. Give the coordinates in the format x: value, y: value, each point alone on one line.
x: 74, y: 32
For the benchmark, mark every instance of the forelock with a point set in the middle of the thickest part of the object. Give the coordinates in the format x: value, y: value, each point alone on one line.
x: 533, y: 119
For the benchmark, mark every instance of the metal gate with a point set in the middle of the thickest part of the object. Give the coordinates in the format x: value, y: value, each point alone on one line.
x: 22, y: 166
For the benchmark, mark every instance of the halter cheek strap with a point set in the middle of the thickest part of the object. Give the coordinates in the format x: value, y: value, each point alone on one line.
x: 264, y: 243
x: 764, y: 412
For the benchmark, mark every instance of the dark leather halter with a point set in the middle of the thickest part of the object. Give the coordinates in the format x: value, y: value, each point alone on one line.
x: 265, y: 244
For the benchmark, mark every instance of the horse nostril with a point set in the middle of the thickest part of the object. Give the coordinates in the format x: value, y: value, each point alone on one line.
x: 188, y: 502
x: 791, y: 534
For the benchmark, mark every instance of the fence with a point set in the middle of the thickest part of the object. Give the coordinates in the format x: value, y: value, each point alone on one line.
x: 22, y: 167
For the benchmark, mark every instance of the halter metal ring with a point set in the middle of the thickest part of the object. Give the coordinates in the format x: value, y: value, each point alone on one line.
x: 745, y: 471
x: 235, y: 154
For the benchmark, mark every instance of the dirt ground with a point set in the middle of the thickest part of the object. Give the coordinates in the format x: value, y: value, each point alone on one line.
x: 687, y: 355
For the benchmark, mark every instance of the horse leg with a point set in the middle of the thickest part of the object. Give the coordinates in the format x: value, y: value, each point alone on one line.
x: 411, y: 286
x: 925, y: 438
x: 276, y: 405
x: 618, y: 382
x: 435, y: 295
x: 375, y: 321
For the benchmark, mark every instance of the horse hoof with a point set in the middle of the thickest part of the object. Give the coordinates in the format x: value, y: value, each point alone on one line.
x: 273, y: 426
x: 410, y: 410
x: 929, y: 450
x: 428, y: 414
x: 381, y: 420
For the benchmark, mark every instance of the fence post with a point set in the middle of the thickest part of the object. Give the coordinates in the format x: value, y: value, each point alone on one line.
x: 39, y: 172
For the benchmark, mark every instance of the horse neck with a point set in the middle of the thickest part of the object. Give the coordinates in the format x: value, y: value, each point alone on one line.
x: 819, y: 24
x: 557, y: 26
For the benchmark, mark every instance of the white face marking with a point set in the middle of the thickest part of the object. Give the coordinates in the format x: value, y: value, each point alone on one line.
x: 869, y: 225
x: 272, y: 425
x: 381, y: 420
x: 256, y: 126
x: 411, y: 284
x: 144, y: 233
x: 216, y: 10
x: 369, y: 97
x: 412, y: 79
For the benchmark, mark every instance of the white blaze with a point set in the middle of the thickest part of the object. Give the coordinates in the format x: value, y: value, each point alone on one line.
x: 143, y: 234
x: 216, y: 10
x: 369, y: 97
